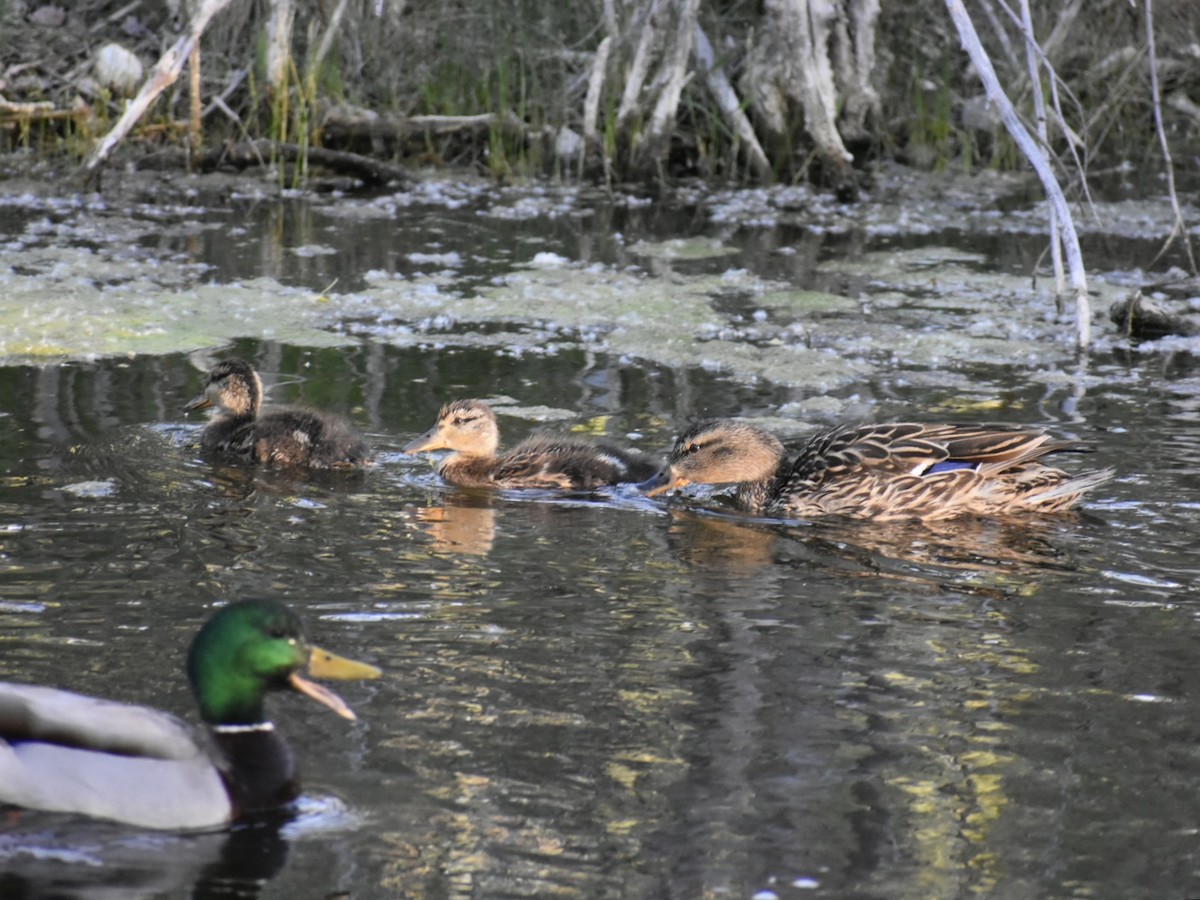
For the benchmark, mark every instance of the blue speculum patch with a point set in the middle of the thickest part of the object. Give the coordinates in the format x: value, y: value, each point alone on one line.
x: 949, y: 465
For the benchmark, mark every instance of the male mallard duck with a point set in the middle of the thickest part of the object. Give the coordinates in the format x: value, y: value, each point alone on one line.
x: 469, y: 428
x: 286, y: 437
x: 880, y: 472
x: 67, y: 752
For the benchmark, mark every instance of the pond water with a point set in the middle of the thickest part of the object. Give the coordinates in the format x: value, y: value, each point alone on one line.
x: 604, y: 695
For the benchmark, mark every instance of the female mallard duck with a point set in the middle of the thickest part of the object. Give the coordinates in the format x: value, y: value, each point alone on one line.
x: 285, y: 437
x: 469, y: 428
x: 71, y: 753
x: 880, y: 472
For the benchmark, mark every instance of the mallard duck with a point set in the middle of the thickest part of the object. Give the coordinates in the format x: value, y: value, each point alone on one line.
x: 469, y: 428
x: 880, y: 472
x: 72, y: 753
x: 285, y: 437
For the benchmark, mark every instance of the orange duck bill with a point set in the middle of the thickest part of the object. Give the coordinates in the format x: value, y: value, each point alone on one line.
x: 323, y: 664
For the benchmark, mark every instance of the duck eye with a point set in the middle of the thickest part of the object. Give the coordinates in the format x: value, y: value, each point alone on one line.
x: 277, y: 632
x: 693, y: 448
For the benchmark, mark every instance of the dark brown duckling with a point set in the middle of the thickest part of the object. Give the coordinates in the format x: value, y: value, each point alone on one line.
x: 882, y: 472
x: 469, y: 428
x: 284, y: 437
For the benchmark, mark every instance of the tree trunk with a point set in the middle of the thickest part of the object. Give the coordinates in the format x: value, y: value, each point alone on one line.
x: 651, y: 147
x: 791, y: 65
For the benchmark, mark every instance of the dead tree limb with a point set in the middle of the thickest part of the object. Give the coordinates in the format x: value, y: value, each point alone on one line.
x: 791, y: 64
x: 646, y: 24
x: 591, y: 102
x: 1031, y: 150
x: 164, y: 74
x: 246, y: 154
x: 730, y: 105
x: 674, y: 76
x: 854, y: 54
x: 326, y: 44
x: 1179, y: 229
x: 1039, y: 111
x: 279, y: 44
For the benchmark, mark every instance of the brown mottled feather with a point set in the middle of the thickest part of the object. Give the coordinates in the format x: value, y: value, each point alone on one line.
x: 469, y: 428
x: 880, y: 471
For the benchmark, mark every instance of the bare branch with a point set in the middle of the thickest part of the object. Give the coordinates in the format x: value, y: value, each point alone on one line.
x: 1054, y: 194
x: 1039, y: 110
x: 165, y: 73
x: 731, y: 106
x: 1179, y: 229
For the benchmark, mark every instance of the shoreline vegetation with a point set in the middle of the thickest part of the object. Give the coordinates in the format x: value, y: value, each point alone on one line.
x: 614, y: 92
x: 637, y: 91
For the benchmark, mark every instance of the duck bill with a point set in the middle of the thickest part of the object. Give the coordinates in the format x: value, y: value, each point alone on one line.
x: 661, y: 483
x: 201, y: 402
x: 430, y: 440
x: 323, y: 664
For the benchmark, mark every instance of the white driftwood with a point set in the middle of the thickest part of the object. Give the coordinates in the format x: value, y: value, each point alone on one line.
x: 647, y: 24
x: 279, y: 43
x: 162, y: 76
x: 1039, y: 111
x: 1179, y: 228
x: 326, y: 44
x: 591, y: 102
x: 1033, y: 153
x: 674, y: 76
x: 792, y: 62
x: 861, y: 100
x: 730, y: 105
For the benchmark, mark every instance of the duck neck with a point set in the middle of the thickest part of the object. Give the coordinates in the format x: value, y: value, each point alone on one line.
x: 259, y: 770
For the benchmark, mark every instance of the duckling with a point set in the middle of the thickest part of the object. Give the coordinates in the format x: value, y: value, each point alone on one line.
x: 284, y: 437
x: 71, y: 753
x: 885, y: 472
x: 469, y: 428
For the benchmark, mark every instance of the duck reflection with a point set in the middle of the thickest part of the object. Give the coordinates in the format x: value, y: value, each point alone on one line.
x: 997, y: 548
x: 45, y: 856
x: 461, y: 524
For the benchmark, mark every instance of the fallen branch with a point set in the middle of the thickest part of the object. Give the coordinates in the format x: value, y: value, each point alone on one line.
x: 245, y: 154
x: 1179, y: 229
x: 342, y: 123
x: 165, y: 73
x: 1039, y: 111
x: 730, y: 105
x: 1031, y: 150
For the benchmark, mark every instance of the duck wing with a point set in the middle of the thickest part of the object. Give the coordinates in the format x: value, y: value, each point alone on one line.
x: 68, y: 752
x: 566, y: 464
x: 908, y: 448
x: 905, y: 470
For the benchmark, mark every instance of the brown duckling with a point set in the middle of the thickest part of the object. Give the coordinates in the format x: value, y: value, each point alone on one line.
x: 285, y: 437
x: 469, y: 428
x: 881, y: 472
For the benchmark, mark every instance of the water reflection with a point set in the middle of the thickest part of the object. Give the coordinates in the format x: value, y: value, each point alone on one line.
x: 608, y: 696
x: 968, y: 553
x: 57, y: 858
x: 462, y: 523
